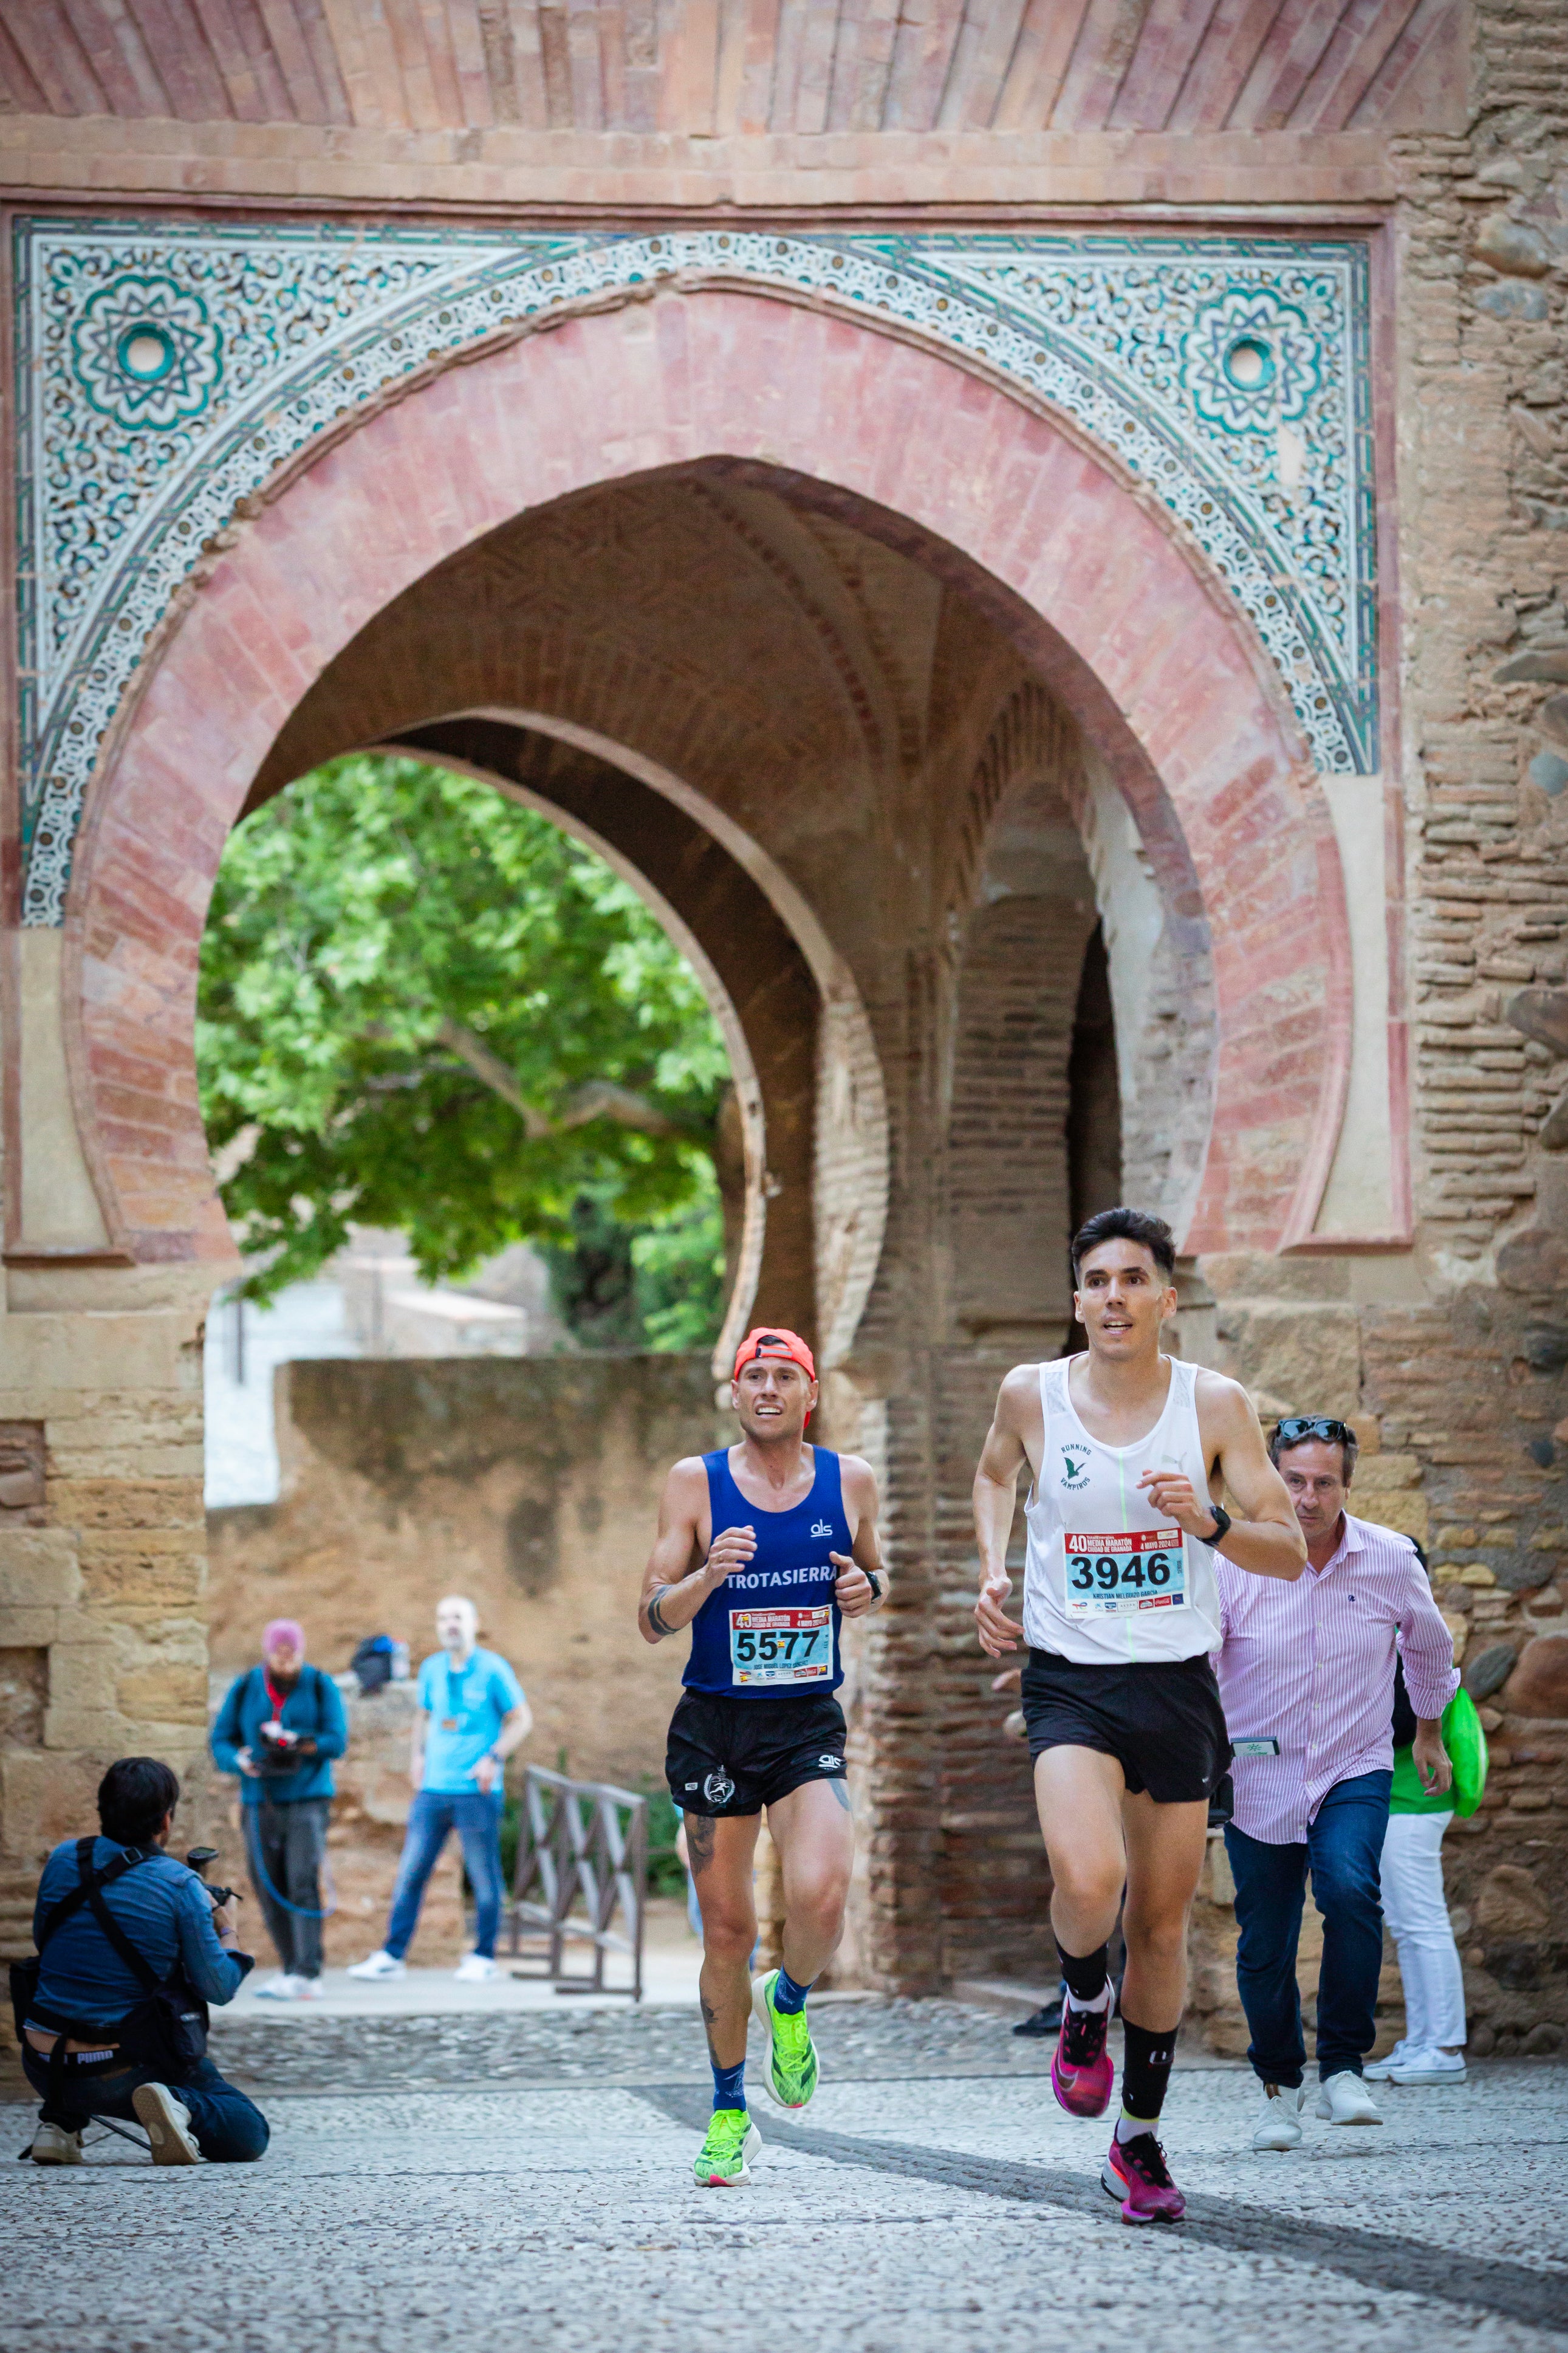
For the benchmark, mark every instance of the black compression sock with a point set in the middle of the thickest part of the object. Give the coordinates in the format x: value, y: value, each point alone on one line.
x: 1145, y: 2072
x: 1087, y: 1974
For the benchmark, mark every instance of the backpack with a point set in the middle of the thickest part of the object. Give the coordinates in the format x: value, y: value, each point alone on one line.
x: 167, y: 2030
x: 371, y: 1662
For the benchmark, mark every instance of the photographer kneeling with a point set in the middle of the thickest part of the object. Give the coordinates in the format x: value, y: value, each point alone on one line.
x: 113, y: 2015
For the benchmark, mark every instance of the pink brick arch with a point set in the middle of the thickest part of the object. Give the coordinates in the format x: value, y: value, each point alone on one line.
x: 1086, y: 573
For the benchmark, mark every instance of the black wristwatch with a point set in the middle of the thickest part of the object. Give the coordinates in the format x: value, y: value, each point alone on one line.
x: 874, y: 1582
x: 1221, y: 1526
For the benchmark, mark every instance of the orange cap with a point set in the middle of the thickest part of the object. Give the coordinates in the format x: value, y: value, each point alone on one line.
x: 774, y: 1340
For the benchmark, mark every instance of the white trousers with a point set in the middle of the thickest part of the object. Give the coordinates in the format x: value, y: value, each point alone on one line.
x: 1416, y: 1910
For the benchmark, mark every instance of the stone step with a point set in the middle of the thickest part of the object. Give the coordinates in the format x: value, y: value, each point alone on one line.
x: 1006, y: 1996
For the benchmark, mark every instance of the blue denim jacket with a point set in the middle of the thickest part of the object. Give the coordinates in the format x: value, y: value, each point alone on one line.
x: 165, y: 1912
x: 314, y: 1705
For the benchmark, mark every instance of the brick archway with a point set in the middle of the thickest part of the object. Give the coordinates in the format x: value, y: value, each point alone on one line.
x: 1080, y: 567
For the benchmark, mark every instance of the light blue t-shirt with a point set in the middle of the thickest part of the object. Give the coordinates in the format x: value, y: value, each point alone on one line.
x: 466, y: 1706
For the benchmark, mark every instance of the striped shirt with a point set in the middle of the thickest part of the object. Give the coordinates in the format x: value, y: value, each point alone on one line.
x: 1311, y: 1665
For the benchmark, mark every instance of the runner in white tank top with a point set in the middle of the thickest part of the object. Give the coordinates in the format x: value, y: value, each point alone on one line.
x: 1127, y: 1450
x: 1108, y: 1580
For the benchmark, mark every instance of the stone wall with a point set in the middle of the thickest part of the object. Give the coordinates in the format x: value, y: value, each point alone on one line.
x: 530, y: 1483
x: 102, y: 1573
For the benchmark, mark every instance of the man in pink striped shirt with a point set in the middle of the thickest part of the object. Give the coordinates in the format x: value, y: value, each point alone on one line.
x: 1306, y: 1678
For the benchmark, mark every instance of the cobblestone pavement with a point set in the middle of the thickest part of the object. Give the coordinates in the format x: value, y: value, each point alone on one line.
x: 932, y: 2196
x: 855, y: 2037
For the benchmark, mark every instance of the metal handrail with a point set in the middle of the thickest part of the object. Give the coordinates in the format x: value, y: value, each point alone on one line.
x: 581, y: 1857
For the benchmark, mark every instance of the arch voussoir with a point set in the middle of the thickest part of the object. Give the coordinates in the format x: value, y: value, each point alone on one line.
x: 1111, y: 606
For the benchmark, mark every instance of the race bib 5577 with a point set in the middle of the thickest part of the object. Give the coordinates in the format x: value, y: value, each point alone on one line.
x: 782, y: 1648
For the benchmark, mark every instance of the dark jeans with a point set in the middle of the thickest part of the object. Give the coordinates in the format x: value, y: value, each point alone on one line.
x: 1343, y: 1848
x: 433, y: 1816
x: 229, y: 2129
x: 288, y: 1841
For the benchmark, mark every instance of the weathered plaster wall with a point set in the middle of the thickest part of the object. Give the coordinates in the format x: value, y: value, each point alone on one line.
x: 530, y: 1483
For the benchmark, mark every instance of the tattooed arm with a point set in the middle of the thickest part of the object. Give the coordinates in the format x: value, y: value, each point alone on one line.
x: 684, y: 1568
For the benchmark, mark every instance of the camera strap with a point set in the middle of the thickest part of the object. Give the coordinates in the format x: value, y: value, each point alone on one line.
x: 86, y: 1891
x: 141, y: 1967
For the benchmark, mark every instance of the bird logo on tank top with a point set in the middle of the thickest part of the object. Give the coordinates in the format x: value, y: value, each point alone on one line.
x: 1074, y: 1469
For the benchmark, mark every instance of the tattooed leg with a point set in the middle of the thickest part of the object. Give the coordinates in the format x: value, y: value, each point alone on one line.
x: 721, y: 1861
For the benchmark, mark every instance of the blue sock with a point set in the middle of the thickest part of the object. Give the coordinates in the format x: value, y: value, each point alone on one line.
x: 788, y: 1997
x: 729, y: 2086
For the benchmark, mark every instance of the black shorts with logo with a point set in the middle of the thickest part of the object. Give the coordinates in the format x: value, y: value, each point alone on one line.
x: 735, y: 1756
x: 1162, y: 1723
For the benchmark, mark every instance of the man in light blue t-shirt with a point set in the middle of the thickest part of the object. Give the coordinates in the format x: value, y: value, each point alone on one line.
x: 471, y: 1716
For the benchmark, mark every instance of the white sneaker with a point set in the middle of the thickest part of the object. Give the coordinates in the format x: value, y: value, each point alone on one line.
x: 310, y: 1989
x: 167, y: 2122
x: 474, y: 1968
x: 1278, y: 2124
x: 1345, y: 2100
x: 1418, y: 2066
x: 52, y: 2145
x: 1376, y: 2071
x: 277, y: 1988
x: 380, y: 1965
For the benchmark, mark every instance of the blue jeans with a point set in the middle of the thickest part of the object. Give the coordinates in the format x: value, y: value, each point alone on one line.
x: 1343, y: 1848
x: 433, y: 1815
x: 229, y: 2129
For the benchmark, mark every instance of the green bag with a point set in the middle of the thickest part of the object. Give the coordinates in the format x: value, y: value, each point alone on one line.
x: 1467, y: 1746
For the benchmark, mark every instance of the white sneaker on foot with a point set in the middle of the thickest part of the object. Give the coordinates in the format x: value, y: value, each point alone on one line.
x: 309, y: 1989
x: 277, y: 1988
x: 474, y: 1968
x: 52, y: 2145
x: 167, y: 2122
x: 379, y: 1965
x: 1278, y: 2120
x: 1345, y: 2100
x: 1376, y: 2070
x: 1418, y: 2066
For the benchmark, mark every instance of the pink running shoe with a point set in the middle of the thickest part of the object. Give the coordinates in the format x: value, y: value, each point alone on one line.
x: 1136, y: 2172
x: 1081, y: 2072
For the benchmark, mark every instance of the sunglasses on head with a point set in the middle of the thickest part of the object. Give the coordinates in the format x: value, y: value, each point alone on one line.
x: 1315, y: 1425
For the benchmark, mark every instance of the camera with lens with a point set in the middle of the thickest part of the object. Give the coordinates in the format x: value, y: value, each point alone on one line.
x: 201, y: 1859
x: 278, y: 1750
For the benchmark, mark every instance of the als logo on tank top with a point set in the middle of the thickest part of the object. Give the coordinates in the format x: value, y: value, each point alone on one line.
x: 1075, y: 1467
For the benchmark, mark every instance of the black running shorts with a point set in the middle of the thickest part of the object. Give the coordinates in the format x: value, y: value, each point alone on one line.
x: 1162, y: 1723
x: 735, y: 1756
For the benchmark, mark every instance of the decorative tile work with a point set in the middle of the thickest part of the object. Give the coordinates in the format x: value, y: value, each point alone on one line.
x: 165, y: 372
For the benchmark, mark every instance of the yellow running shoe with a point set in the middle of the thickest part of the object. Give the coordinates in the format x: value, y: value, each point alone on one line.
x: 791, y: 2072
x: 732, y: 2146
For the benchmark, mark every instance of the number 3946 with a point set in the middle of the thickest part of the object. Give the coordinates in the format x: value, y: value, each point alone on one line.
x: 1107, y: 1575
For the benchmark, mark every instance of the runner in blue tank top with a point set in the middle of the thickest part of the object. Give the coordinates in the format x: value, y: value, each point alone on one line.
x: 763, y: 1549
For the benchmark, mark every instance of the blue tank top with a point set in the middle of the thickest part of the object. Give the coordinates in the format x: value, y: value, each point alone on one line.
x: 771, y: 1629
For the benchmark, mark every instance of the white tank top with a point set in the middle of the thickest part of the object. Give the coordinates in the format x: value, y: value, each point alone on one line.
x: 1107, y: 1580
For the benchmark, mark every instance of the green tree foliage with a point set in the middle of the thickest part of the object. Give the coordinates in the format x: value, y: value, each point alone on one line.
x: 423, y: 1007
